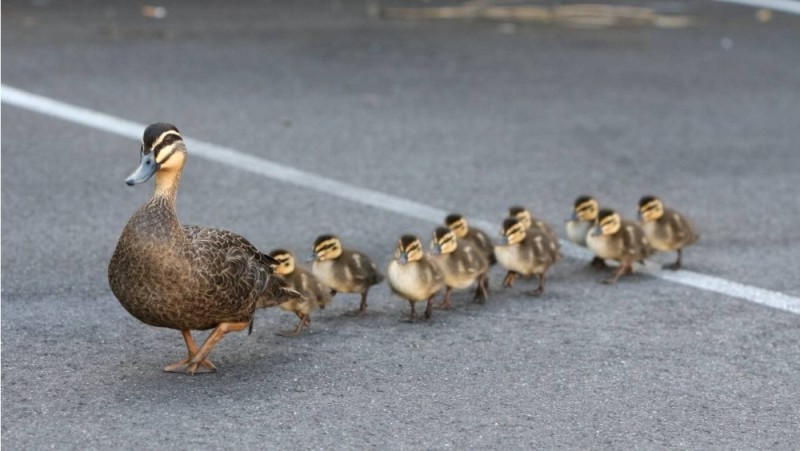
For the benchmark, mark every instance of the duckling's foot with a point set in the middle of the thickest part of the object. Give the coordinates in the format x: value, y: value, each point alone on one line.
x: 624, y: 269
x: 673, y: 266
x: 304, y: 321
x: 482, y: 291
x: 445, y: 304
x: 540, y: 289
x: 357, y: 313
x: 185, y: 366
x: 362, y: 309
x: 429, y: 308
x: 412, y: 316
x: 598, y: 262
x: 291, y: 333
x: 288, y: 333
x: 508, y: 281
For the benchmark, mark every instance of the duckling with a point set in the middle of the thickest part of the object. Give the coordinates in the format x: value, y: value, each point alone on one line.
x: 461, y: 263
x: 523, y: 251
x: 314, y: 294
x: 414, y: 276
x: 583, y: 219
x: 344, y: 270
x: 529, y: 221
x: 666, y: 229
x: 458, y: 224
x: 186, y: 277
x: 617, y: 239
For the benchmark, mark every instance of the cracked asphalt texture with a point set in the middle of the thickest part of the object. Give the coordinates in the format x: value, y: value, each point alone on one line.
x: 459, y: 115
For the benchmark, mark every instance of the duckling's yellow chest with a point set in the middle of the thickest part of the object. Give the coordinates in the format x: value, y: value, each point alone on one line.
x: 577, y: 231
x: 334, y: 274
x: 605, y: 246
x: 660, y: 236
x: 414, y: 280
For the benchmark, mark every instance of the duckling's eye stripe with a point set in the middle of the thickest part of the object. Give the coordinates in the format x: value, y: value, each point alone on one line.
x: 326, y: 247
x: 376, y: 199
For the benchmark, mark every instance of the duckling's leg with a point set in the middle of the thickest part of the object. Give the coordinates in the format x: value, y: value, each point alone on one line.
x: 677, y: 265
x: 429, y: 308
x: 482, y: 291
x: 211, y: 341
x: 446, y: 304
x: 304, y: 321
x: 540, y: 290
x: 598, y: 262
x: 191, y: 348
x: 508, y: 282
x: 413, y: 315
x: 624, y: 268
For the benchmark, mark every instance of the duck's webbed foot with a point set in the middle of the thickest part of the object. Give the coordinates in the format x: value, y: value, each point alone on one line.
x: 204, y: 366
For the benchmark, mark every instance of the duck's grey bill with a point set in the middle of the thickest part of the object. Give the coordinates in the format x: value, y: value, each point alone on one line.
x: 146, y: 169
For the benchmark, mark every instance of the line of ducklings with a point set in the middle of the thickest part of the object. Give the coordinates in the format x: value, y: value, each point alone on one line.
x: 461, y: 256
x: 187, y: 277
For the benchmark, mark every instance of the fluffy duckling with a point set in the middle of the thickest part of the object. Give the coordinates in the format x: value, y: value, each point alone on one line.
x: 461, y: 263
x: 459, y: 225
x: 666, y: 229
x: 344, y: 270
x: 532, y: 222
x: 182, y: 277
x: 315, y: 295
x: 523, y: 251
x: 583, y: 219
x: 617, y: 239
x: 412, y: 275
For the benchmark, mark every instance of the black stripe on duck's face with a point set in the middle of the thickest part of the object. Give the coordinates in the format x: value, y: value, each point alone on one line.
x: 444, y: 241
x: 522, y: 214
x: 409, y: 249
x: 513, y: 231
x: 650, y: 208
x: 327, y: 248
x: 458, y: 224
x: 609, y: 224
x: 587, y: 210
x: 285, y: 261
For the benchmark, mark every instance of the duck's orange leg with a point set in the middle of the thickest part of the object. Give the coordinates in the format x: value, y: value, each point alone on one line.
x: 191, y: 349
x: 211, y: 341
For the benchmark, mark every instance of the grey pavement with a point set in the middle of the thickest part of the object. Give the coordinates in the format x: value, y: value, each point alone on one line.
x: 462, y: 116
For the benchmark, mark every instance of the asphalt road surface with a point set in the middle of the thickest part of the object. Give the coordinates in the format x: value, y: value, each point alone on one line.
x: 463, y: 116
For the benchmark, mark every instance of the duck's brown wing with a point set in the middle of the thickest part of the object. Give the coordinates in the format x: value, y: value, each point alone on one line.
x: 635, y: 242
x: 482, y: 242
x: 681, y: 230
x: 230, y: 269
x: 363, y: 268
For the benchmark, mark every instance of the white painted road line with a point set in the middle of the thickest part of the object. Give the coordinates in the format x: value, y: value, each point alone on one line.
x: 786, y: 6
x: 364, y: 196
